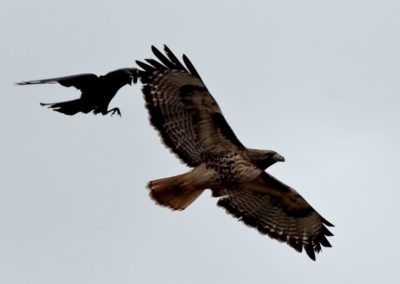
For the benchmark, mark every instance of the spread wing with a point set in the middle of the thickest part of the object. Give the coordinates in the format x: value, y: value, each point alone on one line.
x: 187, y: 117
x: 277, y: 210
x: 80, y: 81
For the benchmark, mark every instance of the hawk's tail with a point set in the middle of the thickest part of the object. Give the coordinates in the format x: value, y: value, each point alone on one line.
x: 174, y: 192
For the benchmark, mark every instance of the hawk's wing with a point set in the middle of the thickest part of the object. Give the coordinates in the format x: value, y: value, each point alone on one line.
x: 82, y: 82
x: 182, y: 110
x: 277, y: 210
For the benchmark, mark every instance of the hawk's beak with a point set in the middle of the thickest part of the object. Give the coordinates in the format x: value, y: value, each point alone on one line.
x: 279, y: 158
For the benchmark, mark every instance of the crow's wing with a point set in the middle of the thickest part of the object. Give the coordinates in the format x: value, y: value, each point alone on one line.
x: 82, y: 82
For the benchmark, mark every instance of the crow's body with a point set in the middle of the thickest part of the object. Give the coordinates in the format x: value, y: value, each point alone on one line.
x: 96, y: 91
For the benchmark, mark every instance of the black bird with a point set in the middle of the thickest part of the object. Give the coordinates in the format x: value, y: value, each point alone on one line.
x: 96, y: 91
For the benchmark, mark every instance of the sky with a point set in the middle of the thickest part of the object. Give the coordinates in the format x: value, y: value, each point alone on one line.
x: 316, y: 81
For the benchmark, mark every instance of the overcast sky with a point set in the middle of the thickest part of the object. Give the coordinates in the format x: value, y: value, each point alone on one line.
x: 317, y: 81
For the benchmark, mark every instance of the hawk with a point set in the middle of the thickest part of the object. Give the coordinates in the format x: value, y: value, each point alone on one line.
x: 192, y: 125
x: 96, y: 92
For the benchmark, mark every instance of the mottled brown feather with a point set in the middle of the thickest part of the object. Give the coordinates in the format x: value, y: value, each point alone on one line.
x: 192, y: 125
x: 187, y: 117
x: 279, y: 212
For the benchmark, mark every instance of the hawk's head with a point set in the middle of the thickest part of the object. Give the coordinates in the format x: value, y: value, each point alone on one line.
x: 273, y: 157
x: 276, y: 156
x: 264, y: 158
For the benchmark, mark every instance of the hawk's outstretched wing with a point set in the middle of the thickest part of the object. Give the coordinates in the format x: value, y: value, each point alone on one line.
x: 277, y: 210
x: 183, y: 111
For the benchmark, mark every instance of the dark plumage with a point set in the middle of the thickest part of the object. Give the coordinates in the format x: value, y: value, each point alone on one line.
x: 96, y: 91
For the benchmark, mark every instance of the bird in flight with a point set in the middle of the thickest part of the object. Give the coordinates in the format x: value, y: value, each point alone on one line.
x: 192, y: 125
x: 96, y: 91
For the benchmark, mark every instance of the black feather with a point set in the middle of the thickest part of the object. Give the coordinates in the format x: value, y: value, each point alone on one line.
x: 310, y: 251
x: 324, y: 221
x: 146, y: 67
x: 174, y: 59
x: 296, y: 244
x: 324, y: 241
x: 162, y: 58
x: 317, y: 246
x: 326, y: 232
x: 190, y: 67
x: 156, y: 64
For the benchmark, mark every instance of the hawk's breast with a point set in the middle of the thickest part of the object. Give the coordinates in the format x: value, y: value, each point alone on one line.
x: 231, y: 169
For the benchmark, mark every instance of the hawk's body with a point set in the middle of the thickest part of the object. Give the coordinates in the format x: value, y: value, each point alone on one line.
x: 192, y: 125
x: 97, y: 91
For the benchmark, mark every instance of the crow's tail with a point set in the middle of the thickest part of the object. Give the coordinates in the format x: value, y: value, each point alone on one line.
x: 69, y: 107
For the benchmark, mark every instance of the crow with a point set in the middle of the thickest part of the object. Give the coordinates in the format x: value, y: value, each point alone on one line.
x: 96, y: 91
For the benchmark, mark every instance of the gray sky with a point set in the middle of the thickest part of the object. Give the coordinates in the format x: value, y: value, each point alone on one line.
x: 317, y: 81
